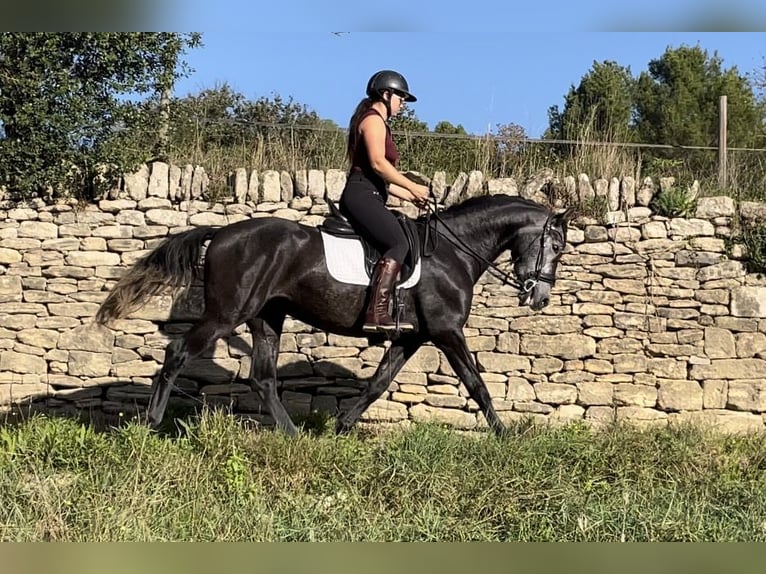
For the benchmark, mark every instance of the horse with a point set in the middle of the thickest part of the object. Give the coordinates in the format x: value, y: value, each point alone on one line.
x: 258, y: 271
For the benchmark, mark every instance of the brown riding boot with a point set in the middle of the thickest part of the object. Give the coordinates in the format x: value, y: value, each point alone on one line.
x: 378, y: 317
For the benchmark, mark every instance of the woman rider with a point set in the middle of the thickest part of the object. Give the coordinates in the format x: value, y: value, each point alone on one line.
x: 372, y: 176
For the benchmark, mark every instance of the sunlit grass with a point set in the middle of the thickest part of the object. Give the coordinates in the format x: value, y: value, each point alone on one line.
x: 217, y: 478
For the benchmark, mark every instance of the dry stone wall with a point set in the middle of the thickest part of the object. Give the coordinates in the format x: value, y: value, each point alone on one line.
x: 652, y: 320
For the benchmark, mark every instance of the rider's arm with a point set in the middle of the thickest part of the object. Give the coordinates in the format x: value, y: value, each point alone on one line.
x: 373, y: 130
x: 400, y: 192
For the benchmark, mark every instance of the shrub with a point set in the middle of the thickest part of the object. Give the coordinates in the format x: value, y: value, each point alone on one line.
x: 674, y: 202
x: 754, y: 239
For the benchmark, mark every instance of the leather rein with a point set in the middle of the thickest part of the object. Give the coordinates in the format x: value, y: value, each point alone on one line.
x: 524, y: 285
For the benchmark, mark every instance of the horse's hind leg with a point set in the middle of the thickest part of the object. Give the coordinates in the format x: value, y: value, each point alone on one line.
x: 201, y: 336
x: 263, y: 373
x: 393, y: 360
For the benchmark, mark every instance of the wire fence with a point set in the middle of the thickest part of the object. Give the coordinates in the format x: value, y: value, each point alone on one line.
x: 224, y: 145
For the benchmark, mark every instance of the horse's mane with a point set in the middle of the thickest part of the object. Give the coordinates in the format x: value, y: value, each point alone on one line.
x: 480, y: 204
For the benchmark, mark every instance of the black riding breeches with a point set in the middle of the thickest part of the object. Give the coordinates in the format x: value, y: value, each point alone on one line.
x: 365, y: 208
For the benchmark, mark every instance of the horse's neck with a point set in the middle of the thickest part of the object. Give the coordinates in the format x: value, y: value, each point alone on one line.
x: 501, y: 232
x: 489, y: 234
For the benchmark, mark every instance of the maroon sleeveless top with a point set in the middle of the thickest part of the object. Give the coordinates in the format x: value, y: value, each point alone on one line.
x: 361, y: 160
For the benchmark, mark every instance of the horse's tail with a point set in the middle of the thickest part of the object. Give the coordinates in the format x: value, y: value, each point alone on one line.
x: 171, y: 265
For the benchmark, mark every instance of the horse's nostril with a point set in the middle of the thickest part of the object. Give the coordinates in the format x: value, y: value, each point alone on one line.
x: 544, y: 302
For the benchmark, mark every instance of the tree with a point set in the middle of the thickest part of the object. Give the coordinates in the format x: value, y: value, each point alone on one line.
x: 511, y: 138
x: 677, y: 100
x: 290, y: 135
x: 67, y: 101
x: 759, y: 80
x: 407, y: 122
x: 759, y: 85
x: 600, y: 108
x: 206, y: 120
x: 222, y: 129
x: 170, y: 48
x: 460, y: 152
x: 514, y: 155
x: 448, y: 147
x: 414, y: 149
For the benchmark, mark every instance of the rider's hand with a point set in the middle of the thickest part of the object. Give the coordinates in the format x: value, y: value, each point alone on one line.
x: 420, y: 195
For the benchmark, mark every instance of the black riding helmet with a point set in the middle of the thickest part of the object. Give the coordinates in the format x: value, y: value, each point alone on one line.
x: 389, y: 80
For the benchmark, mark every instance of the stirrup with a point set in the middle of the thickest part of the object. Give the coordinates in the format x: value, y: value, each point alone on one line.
x: 401, y: 327
x: 370, y: 328
x: 388, y: 328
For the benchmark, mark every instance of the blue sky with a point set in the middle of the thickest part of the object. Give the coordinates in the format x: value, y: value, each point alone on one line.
x: 477, y: 79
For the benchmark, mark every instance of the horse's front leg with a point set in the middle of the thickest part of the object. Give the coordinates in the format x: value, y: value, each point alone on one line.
x: 453, y: 345
x: 393, y: 360
x: 263, y: 371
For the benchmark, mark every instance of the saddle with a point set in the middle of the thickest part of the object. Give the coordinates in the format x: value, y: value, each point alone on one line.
x: 336, y: 224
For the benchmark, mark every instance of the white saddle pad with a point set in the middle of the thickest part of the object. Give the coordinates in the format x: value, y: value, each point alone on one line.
x: 345, y: 261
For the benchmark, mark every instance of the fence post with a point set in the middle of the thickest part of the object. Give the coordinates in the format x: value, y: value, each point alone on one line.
x: 722, y: 148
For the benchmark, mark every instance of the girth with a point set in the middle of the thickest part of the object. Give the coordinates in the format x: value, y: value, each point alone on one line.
x: 336, y: 224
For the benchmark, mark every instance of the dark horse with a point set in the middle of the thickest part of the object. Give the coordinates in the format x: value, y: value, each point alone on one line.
x: 258, y: 271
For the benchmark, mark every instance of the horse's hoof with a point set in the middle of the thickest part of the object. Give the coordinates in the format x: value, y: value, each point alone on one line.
x: 153, y: 421
x: 342, y: 428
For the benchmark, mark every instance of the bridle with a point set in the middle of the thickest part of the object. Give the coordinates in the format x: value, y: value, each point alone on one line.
x: 524, y: 285
x: 537, y: 275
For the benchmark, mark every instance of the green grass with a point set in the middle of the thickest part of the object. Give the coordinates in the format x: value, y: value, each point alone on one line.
x: 217, y: 478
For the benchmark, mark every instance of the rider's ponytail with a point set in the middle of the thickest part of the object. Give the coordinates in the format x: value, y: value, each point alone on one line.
x: 353, y: 126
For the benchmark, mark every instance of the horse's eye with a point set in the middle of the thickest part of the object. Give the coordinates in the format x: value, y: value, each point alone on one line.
x: 556, y: 247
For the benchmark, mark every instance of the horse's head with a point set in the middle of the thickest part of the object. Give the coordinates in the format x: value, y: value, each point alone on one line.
x: 536, y: 257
